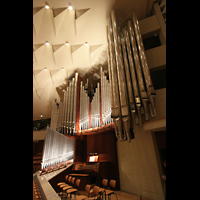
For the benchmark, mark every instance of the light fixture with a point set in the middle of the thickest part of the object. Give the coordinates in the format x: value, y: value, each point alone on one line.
x: 41, y: 115
x: 47, y: 7
x: 70, y: 6
x: 62, y: 68
x: 86, y: 43
x: 45, y: 68
x: 47, y: 43
x: 67, y: 43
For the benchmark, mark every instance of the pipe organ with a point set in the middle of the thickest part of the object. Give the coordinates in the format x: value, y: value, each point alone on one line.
x: 123, y: 96
x: 131, y: 85
x: 57, y: 148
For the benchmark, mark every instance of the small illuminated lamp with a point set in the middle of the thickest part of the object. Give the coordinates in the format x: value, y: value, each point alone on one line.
x: 47, y: 43
x: 41, y: 115
x: 70, y: 6
x: 47, y: 7
x: 86, y: 43
x: 67, y: 43
x: 45, y: 68
x: 62, y: 68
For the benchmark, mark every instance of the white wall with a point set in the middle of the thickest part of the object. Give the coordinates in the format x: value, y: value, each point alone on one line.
x: 139, y: 164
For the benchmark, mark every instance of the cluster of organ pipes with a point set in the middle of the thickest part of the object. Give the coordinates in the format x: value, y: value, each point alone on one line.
x: 84, y: 108
x: 106, y: 99
x: 57, y: 148
x: 119, y: 100
x: 95, y: 109
x: 127, y: 65
x: 65, y: 113
x: 123, y: 99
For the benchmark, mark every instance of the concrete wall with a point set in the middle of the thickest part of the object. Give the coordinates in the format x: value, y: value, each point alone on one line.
x: 139, y: 167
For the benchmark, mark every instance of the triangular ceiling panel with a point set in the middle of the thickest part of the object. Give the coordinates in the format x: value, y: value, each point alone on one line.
x: 58, y: 77
x: 96, y: 54
x: 63, y: 57
x: 78, y: 13
x: 38, y: 51
x: 43, y: 78
x: 35, y: 10
x: 57, y: 11
x: 37, y: 19
x: 75, y: 47
x: 94, y: 47
x: 56, y: 47
x: 81, y: 21
x: 36, y: 72
x: 39, y: 92
x: 37, y: 46
x: 47, y: 59
x: 58, y: 20
x: 83, y: 53
x: 35, y: 83
x: 54, y: 71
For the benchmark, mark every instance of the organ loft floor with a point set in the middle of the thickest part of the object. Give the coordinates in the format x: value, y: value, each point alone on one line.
x: 120, y: 196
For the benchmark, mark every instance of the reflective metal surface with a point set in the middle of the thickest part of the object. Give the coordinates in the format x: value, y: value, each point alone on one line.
x: 145, y: 68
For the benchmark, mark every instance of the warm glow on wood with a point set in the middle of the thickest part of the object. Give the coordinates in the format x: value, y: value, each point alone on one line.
x: 93, y: 159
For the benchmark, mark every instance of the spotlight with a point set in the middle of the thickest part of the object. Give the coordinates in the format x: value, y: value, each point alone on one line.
x: 47, y: 43
x: 70, y: 6
x: 86, y: 43
x: 41, y: 115
x: 45, y: 68
x: 67, y: 43
x: 62, y: 68
x: 47, y: 7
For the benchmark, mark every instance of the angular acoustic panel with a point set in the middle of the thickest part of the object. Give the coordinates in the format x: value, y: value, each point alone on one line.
x: 58, y: 76
x: 39, y: 92
x: 62, y: 55
x: 81, y: 21
x: 59, y: 16
x: 57, y: 11
x: 37, y: 19
x: 52, y: 72
x: 42, y: 77
x: 95, y: 52
x: 38, y: 50
x: 78, y: 13
x: 81, y: 57
x: 47, y: 59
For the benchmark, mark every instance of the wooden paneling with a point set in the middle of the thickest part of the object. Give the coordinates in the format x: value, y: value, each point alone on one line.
x: 102, y: 143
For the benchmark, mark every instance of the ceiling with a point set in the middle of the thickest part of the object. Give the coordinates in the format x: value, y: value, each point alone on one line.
x: 86, y: 22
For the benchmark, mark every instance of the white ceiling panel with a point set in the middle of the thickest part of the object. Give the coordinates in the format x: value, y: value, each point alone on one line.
x: 85, y: 23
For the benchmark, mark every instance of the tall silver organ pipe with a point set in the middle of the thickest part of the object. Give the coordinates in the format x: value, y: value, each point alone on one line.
x: 132, y: 90
x: 96, y: 109
x: 116, y: 113
x: 84, y: 109
x: 149, y: 84
x: 57, y: 148
x: 105, y: 99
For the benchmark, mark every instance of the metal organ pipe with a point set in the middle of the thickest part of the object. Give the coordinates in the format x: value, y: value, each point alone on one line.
x: 121, y: 79
x: 128, y: 80
x: 116, y: 113
x: 145, y: 68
